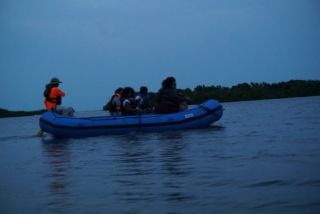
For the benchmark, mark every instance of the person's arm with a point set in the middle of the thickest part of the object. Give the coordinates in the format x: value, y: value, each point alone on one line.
x: 139, y: 100
x: 57, y: 92
x: 173, y: 96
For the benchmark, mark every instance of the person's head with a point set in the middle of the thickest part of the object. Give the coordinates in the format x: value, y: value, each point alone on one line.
x: 118, y: 91
x: 143, y: 90
x: 169, y: 82
x: 55, y: 81
x: 127, y: 92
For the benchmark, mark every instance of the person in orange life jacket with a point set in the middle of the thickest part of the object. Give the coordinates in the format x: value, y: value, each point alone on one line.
x: 53, y: 94
x: 129, y: 105
x: 53, y: 98
x: 114, y: 104
x: 143, y: 99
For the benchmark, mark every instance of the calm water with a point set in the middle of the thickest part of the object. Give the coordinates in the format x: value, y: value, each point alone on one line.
x: 261, y: 157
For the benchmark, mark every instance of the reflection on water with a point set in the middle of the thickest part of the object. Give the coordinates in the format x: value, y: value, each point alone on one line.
x: 145, y: 172
x: 134, y: 164
x: 175, y: 166
x: 58, y: 159
x: 172, y: 154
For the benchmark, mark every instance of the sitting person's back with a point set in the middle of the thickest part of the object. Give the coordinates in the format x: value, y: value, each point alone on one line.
x: 168, y: 100
x: 143, y: 100
x: 129, y: 105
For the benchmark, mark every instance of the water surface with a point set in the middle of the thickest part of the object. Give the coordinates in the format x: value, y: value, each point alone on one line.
x: 261, y: 157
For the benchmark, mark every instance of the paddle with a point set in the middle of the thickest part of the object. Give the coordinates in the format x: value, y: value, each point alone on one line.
x: 40, y: 133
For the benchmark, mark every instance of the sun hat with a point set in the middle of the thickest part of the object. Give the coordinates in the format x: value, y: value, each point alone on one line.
x: 55, y: 80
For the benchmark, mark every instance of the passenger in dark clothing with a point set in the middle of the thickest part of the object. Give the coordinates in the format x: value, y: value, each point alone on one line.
x: 143, y: 100
x: 129, y: 105
x: 168, y: 100
x: 114, y: 104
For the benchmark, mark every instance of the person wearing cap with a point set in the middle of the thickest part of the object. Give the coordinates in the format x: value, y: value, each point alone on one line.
x: 53, y: 98
x: 53, y: 94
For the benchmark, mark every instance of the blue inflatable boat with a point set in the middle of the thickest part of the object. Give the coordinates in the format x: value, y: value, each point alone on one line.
x: 199, y: 116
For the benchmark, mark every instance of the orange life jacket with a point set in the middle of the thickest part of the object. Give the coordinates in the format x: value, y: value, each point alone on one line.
x: 117, y: 108
x: 54, y: 98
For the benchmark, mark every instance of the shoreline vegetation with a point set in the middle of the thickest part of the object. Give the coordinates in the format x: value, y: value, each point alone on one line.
x: 240, y: 92
x: 7, y: 113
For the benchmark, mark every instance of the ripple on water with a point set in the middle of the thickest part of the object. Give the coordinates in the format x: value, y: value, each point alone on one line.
x: 268, y: 183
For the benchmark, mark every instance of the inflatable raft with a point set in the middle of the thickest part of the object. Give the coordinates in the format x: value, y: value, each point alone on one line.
x: 200, y: 116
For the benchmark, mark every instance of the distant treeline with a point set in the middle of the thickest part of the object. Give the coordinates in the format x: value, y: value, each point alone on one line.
x: 254, y: 91
x: 6, y: 113
x: 251, y: 91
x: 240, y: 92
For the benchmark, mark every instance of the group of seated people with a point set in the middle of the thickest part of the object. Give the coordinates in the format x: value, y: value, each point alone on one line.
x: 126, y: 102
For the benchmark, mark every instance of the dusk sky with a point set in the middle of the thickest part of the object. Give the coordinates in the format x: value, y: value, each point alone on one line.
x: 98, y: 45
